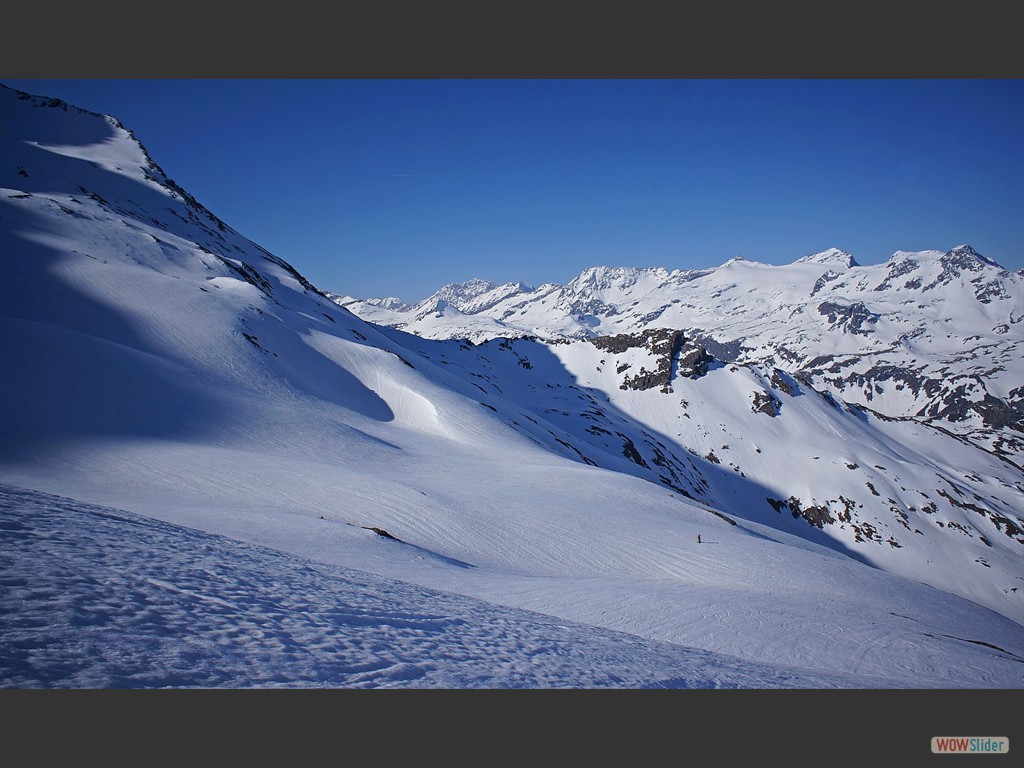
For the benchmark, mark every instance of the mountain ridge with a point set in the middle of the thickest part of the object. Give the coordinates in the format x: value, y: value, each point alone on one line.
x: 869, y: 334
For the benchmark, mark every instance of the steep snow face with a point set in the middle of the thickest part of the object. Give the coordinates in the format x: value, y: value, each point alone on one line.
x: 158, y: 363
x: 933, y: 335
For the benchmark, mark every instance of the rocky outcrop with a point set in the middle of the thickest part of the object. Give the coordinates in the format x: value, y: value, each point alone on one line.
x: 824, y: 280
x: 673, y: 353
x: 765, y: 402
x: 782, y: 382
x: 693, y: 360
x: 817, y: 515
x: 850, y: 318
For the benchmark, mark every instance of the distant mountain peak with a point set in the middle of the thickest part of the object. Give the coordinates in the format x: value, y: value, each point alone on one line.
x: 604, y: 274
x: 964, y: 248
x: 475, y: 285
x: 832, y: 257
x: 472, y: 296
x: 389, y: 302
x: 457, y: 294
x: 965, y: 251
x: 900, y: 256
x: 602, y: 278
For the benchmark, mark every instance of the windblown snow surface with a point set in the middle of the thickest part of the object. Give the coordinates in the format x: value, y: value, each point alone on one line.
x: 211, y: 475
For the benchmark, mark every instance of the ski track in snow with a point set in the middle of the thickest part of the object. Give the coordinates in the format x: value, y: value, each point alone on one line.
x: 92, y: 597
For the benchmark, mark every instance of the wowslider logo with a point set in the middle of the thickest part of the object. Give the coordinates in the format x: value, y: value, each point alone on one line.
x: 979, y: 745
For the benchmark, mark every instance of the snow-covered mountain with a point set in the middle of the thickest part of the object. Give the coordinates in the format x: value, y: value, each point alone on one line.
x: 933, y: 335
x: 214, y: 475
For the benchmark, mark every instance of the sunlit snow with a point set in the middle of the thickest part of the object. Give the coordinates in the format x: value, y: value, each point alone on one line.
x: 211, y: 475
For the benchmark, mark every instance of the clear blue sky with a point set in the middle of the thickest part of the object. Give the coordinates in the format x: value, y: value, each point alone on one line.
x: 386, y: 187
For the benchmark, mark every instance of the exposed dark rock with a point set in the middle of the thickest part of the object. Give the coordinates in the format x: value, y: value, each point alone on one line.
x: 1001, y: 522
x: 997, y: 414
x: 381, y: 532
x: 650, y: 317
x: 815, y: 365
x: 958, y: 261
x: 766, y: 403
x: 900, y: 376
x: 727, y: 519
x: 865, y: 532
x: 782, y: 382
x: 817, y: 515
x: 404, y: 360
x: 898, y: 270
x: 630, y: 452
x: 845, y: 515
x: 851, y: 318
x: 693, y: 361
x: 672, y: 353
x: 583, y: 306
x: 824, y: 280
x: 901, y: 517
x: 959, y: 527
x: 993, y: 289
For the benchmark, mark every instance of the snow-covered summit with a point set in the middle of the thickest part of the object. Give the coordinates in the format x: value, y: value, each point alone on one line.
x: 955, y: 260
x: 743, y: 263
x: 472, y: 296
x: 457, y: 293
x: 596, y: 279
x: 832, y: 257
x: 965, y: 257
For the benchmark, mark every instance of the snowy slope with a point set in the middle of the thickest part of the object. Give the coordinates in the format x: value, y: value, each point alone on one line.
x: 117, y: 600
x: 194, y: 434
x: 761, y: 446
x: 934, y: 335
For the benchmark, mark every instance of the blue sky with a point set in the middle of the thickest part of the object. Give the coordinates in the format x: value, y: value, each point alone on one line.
x: 387, y: 187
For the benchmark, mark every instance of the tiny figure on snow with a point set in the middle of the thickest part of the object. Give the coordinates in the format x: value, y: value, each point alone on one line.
x: 698, y: 538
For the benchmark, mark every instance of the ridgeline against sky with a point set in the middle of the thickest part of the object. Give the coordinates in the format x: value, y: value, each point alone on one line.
x: 395, y: 187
